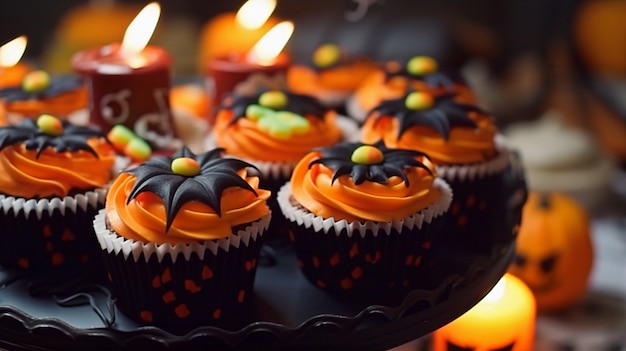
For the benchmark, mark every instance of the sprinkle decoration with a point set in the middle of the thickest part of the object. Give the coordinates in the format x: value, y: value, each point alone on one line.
x: 50, y: 125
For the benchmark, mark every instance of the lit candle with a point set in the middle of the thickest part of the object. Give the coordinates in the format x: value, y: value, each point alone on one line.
x: 129, y: 83
x: 265, y: 63
x: 236, y: 32
x: 502, y: 321
x: 11, y: 70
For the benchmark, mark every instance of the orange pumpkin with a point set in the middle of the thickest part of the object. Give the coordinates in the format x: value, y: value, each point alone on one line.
x: 554, y: 250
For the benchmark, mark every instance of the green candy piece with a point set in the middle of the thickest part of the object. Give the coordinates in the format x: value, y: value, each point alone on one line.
x: 138, y: 149
x: 283, y: 124
x: 367, y: 155
x: 120, y: 135
x: 273, y: 99
x: 255, y: 112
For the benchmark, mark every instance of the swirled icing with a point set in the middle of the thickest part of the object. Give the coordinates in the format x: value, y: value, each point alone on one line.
x: 313, y: 187
x: 243, y: 138
x: 462, y: 145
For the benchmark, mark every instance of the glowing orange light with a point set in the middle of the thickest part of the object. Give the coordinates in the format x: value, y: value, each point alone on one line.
x: 265, y: 51
x: 254, y: 13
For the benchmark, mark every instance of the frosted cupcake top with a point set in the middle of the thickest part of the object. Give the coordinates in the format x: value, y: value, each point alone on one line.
x: 48, y: 157
x: 274, y: 126
x: 449, y: 132
x: 364, y: 182
x: 184, y: 198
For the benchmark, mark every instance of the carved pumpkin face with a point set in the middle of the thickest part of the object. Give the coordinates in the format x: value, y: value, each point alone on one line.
x: 554, y: 250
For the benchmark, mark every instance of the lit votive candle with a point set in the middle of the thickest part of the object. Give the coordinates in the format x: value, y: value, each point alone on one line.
x: 129, y: 83
x: 11, y: 70
x: 266, y: 64
x: 236, y: 32
x: 502, y: 321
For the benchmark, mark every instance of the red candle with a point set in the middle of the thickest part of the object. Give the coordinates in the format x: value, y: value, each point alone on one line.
x: 129, y: 83
x: 265, y: 65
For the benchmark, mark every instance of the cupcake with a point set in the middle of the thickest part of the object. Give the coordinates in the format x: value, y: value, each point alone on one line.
x: 464, y: 143
x: 62, y: 96
x: 273, y: 130
x: 53, y: 179
x: 181, y: 236
x: 395, y: 79
x: 331, y: 76
x: 363, y: 218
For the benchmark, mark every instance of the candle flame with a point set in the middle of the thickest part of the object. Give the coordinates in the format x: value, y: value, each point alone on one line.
x: 254, y: 13
x: 11, y: 52
x: 265, y: 51
x: 140, y: 30
x: 497, y: 292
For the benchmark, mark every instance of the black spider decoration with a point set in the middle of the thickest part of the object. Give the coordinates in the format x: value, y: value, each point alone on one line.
x: 216, y: 174
x: 437, y: 79
x: 58, y: 85
x: 72, y: 139
x: 394, y: 162
x: 441, y: 116
x: 297, y: 103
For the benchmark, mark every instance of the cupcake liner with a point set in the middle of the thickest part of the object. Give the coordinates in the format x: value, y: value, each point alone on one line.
x: 384, y: 259
x: 478, y: 214
x: 50, y: 235
x: 183, y: 285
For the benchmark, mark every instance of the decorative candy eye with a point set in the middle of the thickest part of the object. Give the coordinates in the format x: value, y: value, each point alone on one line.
x: 36, y: 81
x: 50, y: 125
x: 273, y: 99
x: 185, y: 166
x: 419, y: 100
x: 421, y: 65
x: 367, y: 155
x: 326, y: 55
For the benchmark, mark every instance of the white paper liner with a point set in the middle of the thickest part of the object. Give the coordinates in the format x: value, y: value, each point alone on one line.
x: 93, y: 199
x: 478, y: 170
x: 308, y: 219
x: 354, y: 110
x: 114, y: 243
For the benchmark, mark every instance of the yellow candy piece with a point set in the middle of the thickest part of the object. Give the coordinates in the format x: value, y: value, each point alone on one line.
x: 419, y: 100
x: 48, y: 124
x: 36, y: 81
x: 367, y: 155
x: 120, y: 136
x: 137, y: 149
x: 420, y: 65
x: 185, y: 166
x: 326, y: 55
x: 273, y: 99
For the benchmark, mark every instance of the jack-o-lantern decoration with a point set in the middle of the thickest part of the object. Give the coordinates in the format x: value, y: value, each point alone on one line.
x: 554, y: 250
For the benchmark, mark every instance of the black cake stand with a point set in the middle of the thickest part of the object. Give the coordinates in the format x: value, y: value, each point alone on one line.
x: 290, y: 313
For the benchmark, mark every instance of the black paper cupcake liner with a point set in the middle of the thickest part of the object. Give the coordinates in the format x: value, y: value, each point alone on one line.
x: 374, y: 260
x: 184, y: 285
x: 50, y: 236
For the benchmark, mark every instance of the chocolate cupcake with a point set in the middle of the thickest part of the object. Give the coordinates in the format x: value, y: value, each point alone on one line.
x: 53, y: 179
x: 181, y: 236
x: 363, y: 218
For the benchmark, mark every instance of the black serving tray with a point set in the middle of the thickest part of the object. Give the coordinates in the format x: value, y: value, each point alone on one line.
x: 290, y: 313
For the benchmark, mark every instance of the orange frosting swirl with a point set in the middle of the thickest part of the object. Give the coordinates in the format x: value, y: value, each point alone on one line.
x: 464, y: 145
x: 54, y: 174
x: 143, y: 218
x: 244, y: 138
x: 313, y: 188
